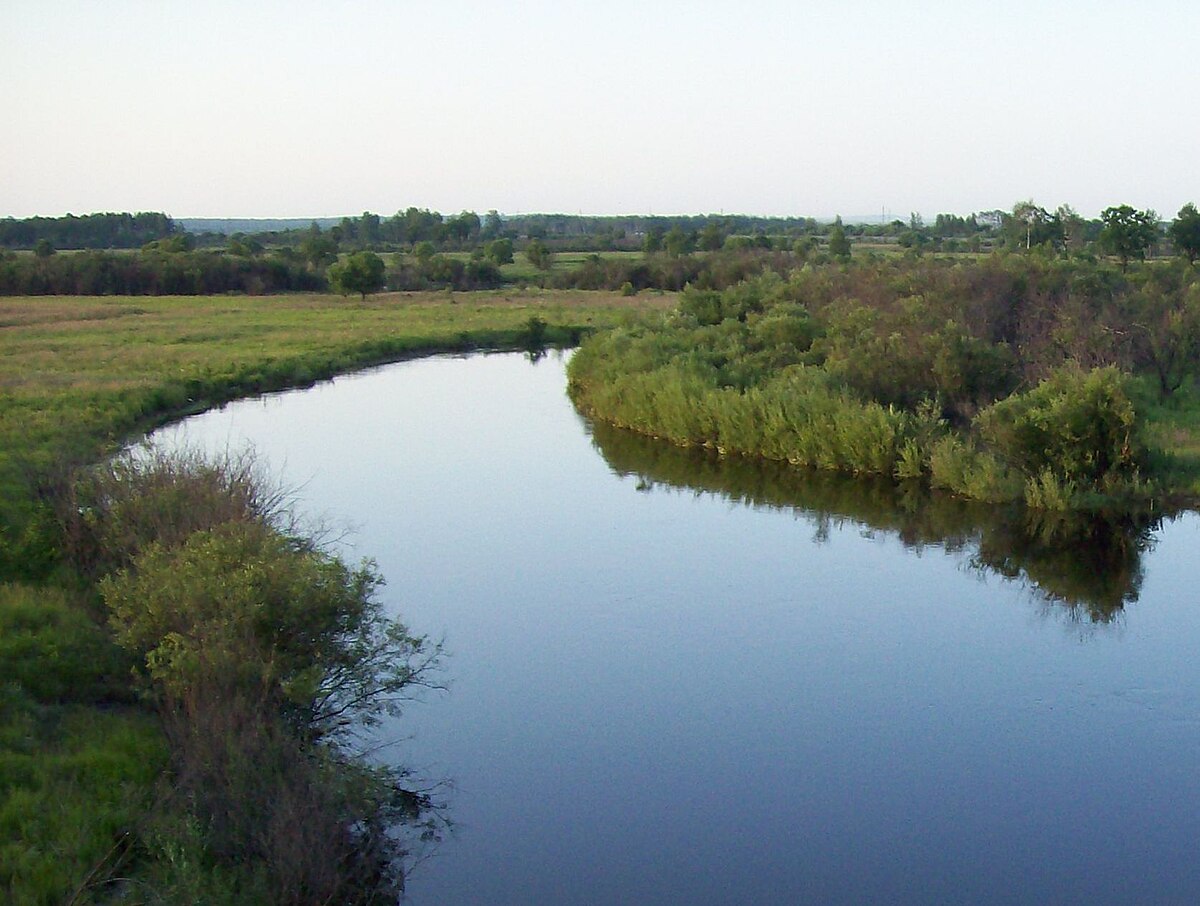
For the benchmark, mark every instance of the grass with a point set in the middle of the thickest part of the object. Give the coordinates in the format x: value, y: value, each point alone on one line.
x: 87, y: 371
x: 1173, y: 436
x: 79, y: 376
x: 521, y: 271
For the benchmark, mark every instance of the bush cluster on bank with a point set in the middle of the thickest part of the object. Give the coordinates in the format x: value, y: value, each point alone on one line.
x: 265, y: 658
x: 1001, y: 379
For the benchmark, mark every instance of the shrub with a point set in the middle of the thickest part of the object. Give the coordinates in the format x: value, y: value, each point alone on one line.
x: 1076, y: 429
x: 112, y: 512
x: 267, y: 657
x: 241, y: 608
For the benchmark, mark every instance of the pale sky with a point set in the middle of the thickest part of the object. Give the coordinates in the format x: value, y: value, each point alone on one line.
x: 298, y: 109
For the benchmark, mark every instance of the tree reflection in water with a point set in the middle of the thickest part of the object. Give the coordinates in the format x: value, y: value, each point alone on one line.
x: 1091, y: 563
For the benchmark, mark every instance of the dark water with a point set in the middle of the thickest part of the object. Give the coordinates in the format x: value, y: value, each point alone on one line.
x: 681, y: 680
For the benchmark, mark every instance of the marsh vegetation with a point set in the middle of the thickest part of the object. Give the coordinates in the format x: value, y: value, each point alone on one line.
x: 1001, y: 379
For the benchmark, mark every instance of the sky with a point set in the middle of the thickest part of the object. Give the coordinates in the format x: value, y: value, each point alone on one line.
x: 304, y: 109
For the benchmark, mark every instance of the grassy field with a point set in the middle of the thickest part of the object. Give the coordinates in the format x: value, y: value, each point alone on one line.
x: 74, y: 370
x: 520, y: 270
x: 79, y: 757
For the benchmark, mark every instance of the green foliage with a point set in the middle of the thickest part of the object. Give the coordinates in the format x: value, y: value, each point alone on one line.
x: 1185, y: 232
x: 112, y: 512
x: 1077, y: 430
x: 90, y: 231
x: 318, y: 249
x: 500, y: 251
x: 361, y: 272
x: 1166, y: 323
x: 53, y: 651
x: 868, y: 367
x: 957, y: 465
x: 703, y: 386
x: 839, y: 244
x: 172, y: 245
x: 165, y: 267
x: 676, y: 242
x: 538, y: 255
x: 75, y: 783
x: 1030, y: 226
x: 1128, y: 232
x: 266, y: 657
x: 241, y: 608
x: 908, y: 354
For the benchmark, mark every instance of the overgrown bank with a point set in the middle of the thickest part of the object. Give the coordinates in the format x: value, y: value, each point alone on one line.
x: 83, y: 750
x: 1009, y: 378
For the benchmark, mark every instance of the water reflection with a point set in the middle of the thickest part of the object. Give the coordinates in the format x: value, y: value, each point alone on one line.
x: 1090, y: 564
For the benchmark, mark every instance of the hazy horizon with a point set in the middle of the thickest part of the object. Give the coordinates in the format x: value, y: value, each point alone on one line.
x: 278, y: 110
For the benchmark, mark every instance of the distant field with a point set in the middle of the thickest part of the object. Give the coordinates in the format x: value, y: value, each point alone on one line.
x: 70, y: 366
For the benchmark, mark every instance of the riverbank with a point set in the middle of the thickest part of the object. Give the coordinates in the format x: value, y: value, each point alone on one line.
x: 1064, y: 384
x: 81, y: 754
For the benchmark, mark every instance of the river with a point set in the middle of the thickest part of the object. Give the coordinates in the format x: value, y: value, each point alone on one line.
x: 678, y: 679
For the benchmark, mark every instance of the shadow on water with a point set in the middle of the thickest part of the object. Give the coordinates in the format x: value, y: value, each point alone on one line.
x: 1090, y: 564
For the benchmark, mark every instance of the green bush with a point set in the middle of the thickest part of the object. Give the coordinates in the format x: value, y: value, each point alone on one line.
x: 268, y: 657
x: 112, y: 512
x: 243, y: 607
x: 1077, y: 430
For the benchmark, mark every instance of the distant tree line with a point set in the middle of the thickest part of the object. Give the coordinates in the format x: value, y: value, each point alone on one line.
x: 153, y: 272
x: 89, y: 231
x: 467, y: 252
x: 1120, y: 230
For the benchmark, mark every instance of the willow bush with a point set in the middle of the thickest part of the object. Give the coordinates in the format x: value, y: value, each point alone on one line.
x: 266, y: 658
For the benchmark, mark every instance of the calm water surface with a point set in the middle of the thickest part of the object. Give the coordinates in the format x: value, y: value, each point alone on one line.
x: 676, y: 680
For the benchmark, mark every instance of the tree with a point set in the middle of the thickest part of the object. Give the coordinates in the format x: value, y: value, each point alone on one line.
x: 1185, y: 232
x: 538, y: 255
x: 500, y: 251
x: 244, y: 246
x: 712, y: 237
x: 492, y: 225
x: 839, y: 245
x: 677, y: 242
x: 1031, y: 225
x: 317, y: 248
x: 1127, y: 232
x: 653, y: 241
x: 362, y: 272
x: 1074, y: 227
x: 43, y: 248
x: 463, y: 227
x: 1167, y: 333
x: 369, y: 231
